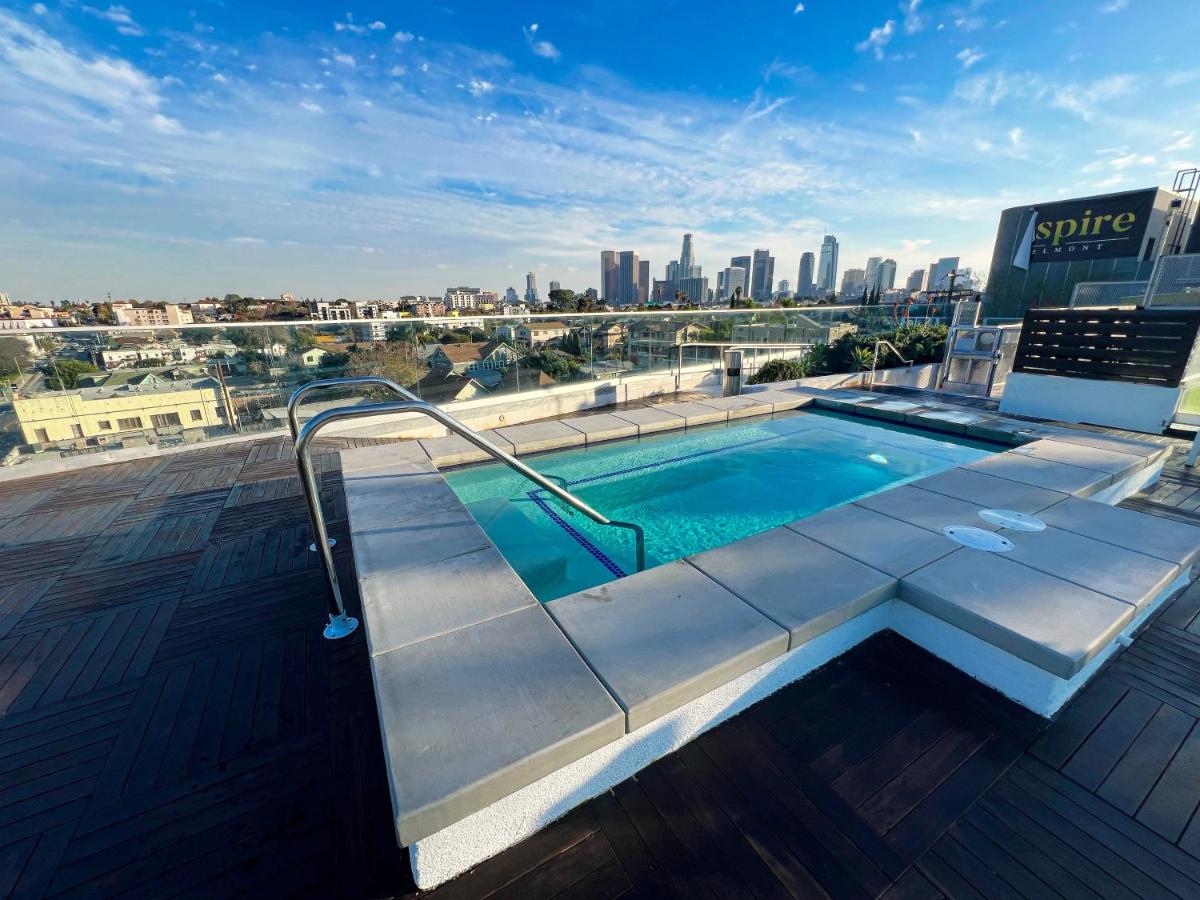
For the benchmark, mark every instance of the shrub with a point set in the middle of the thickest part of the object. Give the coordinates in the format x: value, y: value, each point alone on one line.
x: 780, y: 370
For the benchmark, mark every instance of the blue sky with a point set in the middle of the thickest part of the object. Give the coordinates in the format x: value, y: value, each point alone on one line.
x: 168, y: 151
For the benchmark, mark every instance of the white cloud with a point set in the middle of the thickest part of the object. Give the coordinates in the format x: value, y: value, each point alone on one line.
x: 982, y: 146
x: 1085, y: 99
x: 344, y: 59
x: 246, y: 240
x: 968, y: 56
x: 1016, y: 136
x: 310, y: 106
x: 38, y: 59
x: 544, y: 49
x: 478, y: 87
x: 858, y: 87
x: 348, y: 25
x: 219, y: 78
x: 397, y: 71
x: 39, y: 9
x: 1182, y: 141
x: 403, y: 37
x: 878, y: 39
x: 119, y: 16
x: 799, y: 9
x: 377, y: 26
x: 165, y: 124
x: 912, y: 17
x: 916, y: 135
x: 1114, y: 6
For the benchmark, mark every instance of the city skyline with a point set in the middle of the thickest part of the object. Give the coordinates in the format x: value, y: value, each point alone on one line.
x: 158, y: 152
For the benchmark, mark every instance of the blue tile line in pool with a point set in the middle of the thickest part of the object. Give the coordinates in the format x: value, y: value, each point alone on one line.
x: 536, y: 495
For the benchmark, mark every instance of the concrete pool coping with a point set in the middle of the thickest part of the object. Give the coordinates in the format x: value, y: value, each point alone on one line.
x: 618, y: 644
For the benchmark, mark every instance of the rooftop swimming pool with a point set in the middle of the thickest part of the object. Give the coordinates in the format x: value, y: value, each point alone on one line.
x: 692, y: 491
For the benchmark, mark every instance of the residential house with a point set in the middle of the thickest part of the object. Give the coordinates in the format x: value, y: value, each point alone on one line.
x: 313, y: 357
x: 797, y: 329
x: 539, y: 333
x: 475, y: 358
x: 602, y: 340
x: 447, y: 386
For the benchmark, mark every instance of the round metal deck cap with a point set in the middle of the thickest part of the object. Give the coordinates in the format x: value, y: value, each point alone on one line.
x: 1010, y: 518
x: 978, y: 538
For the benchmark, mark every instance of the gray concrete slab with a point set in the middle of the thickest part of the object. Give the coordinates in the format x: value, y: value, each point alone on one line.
x: 924, y: 509
x: 989, y: 491
x: 695, y: 413
x: 1148, y: 449
x: 739, y: 407
x: 999, y: 429
x: 1124, y: 574
x: 406, y: 519
x: 538, y: 436
x: 471, y: 716
x: 454, y: 450
x: 602, y: 427
x: 1043, y: 473
x: 403, y: 604
x: 663, y: 637
x: 1053, y: 624
x: 650, y: 419
x: 1167, y: 539
x: 1118, y: 465
x: 799, y: 584
x: 893, y: 410
x: 949, y: 420
x: 781, y: 400
x: 889, y: 545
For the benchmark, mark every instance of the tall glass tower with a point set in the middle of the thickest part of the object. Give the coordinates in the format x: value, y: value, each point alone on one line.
x: 827, y: 268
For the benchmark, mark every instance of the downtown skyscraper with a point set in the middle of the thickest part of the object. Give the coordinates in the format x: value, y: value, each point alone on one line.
x: 827, y: 268
x: 531, y: 292
x: 805, y: 286
x: 762, y: 275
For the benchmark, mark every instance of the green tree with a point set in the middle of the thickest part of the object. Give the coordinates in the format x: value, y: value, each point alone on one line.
x: 455, y: 337
x: 571, y: 345
x: 15, y: 356
x: 64, y: 375
x: 398, y: 363
x: 558, y: 366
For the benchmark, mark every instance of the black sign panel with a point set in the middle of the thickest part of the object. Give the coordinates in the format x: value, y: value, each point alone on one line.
x: 1098, y: 228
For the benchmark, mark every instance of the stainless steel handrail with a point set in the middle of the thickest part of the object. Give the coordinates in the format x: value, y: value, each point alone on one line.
x: 341, y: 624
x: 736, y: 345
x: 301, y: 392
x: 875, y: 357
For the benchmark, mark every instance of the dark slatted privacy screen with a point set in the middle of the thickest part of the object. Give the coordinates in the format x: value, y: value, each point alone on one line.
x: 1145, y: 346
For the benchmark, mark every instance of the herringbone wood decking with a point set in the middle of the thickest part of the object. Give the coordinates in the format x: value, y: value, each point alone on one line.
x: 172, y: 723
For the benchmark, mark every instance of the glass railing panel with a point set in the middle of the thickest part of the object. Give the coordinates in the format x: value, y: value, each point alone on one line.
x: 71, y: 391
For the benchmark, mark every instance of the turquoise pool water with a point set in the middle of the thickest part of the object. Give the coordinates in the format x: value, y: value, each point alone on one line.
x: 692, y: 491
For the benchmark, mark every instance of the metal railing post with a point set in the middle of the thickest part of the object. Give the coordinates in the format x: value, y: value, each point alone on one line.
x: 293, y: 410
x: 340, y: 624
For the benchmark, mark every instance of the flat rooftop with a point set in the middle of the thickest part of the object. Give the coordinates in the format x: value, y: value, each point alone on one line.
x: 172, y: 721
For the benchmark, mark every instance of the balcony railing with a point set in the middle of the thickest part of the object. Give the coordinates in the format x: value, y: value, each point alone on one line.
x: 92, y: 389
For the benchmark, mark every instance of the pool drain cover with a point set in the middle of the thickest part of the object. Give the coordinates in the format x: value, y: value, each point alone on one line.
x: 1010, y: 518
x: 978, y: 538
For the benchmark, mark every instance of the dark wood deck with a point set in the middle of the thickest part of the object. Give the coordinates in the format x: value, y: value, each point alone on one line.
x: 172, y: 722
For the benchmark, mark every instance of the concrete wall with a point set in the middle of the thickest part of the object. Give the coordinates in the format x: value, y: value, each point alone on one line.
x: 1118, y: 404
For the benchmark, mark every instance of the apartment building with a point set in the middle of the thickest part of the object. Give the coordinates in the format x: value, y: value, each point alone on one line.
x: 169, y: 314
x: 146, y: 403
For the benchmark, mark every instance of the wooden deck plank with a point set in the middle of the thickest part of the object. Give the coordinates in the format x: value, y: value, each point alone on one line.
x: 171, y: 719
